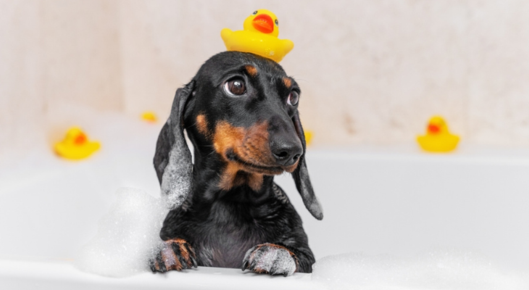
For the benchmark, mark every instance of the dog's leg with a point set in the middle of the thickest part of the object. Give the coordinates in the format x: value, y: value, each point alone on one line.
x: 176, y: 254
x: 270, y: 259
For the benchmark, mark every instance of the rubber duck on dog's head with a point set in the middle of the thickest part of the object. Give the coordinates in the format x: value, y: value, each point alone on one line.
x: 263, y: 21
x: 259, y: 36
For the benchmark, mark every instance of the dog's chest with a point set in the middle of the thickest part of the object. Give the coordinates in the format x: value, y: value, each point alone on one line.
x: 227, y: 234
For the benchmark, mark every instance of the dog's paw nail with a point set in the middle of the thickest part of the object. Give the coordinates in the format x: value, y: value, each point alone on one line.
x: 193, y: 262
x: 153, y: 265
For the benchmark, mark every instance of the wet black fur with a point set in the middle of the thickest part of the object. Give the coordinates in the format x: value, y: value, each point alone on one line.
x: 223, y: 225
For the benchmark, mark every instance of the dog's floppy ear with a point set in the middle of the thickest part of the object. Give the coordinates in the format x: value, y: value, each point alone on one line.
x: 172, y: 160
x: 301, y: 176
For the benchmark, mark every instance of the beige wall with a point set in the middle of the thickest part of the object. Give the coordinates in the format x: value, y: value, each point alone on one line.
x: 21, y: 105
x: 55, y: 55
x: 371, y: 72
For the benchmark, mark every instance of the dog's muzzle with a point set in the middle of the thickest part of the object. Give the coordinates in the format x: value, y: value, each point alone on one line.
x: 286, y: 149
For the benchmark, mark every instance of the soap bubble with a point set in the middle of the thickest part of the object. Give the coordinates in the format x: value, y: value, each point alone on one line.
x: 127, y: 237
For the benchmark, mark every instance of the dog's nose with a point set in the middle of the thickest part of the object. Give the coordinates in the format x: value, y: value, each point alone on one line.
x: 286, y: 153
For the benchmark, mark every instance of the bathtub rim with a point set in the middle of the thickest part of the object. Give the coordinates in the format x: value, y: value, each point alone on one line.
x: 23, y: 273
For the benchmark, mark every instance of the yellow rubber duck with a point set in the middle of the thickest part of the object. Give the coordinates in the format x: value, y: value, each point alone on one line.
x: 75, y: 145
x: 308, y: 137
x: 259, y: 36
x: 438, y: 138
x: 149, y: 116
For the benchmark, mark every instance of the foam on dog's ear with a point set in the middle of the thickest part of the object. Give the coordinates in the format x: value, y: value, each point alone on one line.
x: 301, y: 176
x: 172, y: 160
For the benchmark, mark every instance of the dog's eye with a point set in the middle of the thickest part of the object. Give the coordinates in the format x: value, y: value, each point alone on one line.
x: 235, y: 87
x: 293, y: 98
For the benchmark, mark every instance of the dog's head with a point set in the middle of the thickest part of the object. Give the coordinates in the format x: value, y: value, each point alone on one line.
x: 240, y: 111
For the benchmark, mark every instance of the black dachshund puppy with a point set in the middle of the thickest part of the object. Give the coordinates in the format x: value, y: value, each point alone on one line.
x: 240, y: 112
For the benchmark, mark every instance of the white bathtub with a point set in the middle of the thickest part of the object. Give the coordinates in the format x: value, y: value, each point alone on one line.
x: 377, y: 202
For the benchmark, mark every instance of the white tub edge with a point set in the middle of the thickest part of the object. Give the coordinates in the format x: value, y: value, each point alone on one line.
x: 63, y: 275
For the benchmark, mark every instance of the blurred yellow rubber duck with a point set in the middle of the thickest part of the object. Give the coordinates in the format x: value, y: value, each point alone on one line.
x: 308, y: 137
x: 259, y: 36
x: 75, y: 145
x: 438, y: 138
x: 149, y: 116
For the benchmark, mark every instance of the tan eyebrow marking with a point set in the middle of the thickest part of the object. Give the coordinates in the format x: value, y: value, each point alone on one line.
x: 202, y: 125
x: 252, y: 71
x: 287, y: 81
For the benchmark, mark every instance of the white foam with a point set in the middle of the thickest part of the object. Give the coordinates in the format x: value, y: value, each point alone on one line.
x: 177, y: 176
x: 273, y: 259
x: 441, y: 269
x: 127, y: 237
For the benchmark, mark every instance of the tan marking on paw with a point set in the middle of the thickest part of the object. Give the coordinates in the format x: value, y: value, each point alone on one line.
x: 183, y: 252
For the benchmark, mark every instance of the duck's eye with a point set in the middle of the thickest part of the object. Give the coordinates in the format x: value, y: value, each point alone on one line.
x: 255, y: 12
x: 235, y: 87
x: 293, y: 98
x: 277, y: 22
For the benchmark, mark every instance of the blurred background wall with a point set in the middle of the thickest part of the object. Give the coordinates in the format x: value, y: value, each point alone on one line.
x: 371, y: 72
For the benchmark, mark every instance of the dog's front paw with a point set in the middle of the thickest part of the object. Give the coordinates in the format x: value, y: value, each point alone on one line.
x: 176, y: 254
x: 270, y: 259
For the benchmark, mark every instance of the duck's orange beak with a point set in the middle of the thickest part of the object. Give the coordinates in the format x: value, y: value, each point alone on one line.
x: 80, y: 139
x: 263, y: 23
x: 434, y: 129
